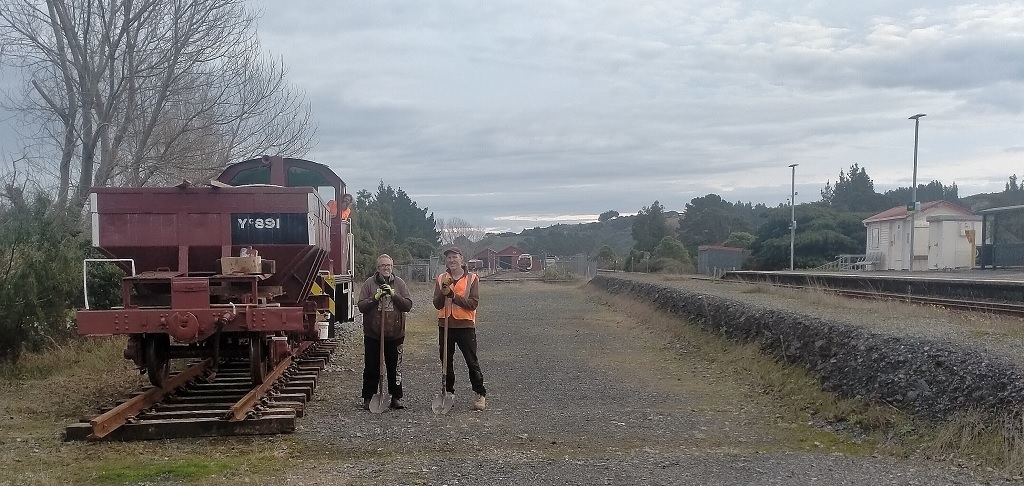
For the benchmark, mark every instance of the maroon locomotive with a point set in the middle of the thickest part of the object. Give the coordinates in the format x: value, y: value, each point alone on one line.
x: 252, y: 265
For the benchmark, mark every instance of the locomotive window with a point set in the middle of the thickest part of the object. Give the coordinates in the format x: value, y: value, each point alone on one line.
x: 302, y: 177
x: 256, y: 175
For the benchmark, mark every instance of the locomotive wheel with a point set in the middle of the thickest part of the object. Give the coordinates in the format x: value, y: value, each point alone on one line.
x: 158, y: 367
x: 257, y: 360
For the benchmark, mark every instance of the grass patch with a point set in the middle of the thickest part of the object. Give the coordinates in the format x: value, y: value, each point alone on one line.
x: 77, y: 357
x: 176, y: 470
x: 974, y: 440
x: 62, y: 384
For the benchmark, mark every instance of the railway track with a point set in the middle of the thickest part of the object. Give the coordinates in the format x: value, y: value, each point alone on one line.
x: 984, y: 306
x: 511, y: 276
x: 202, y: 402
x: 990, y: 307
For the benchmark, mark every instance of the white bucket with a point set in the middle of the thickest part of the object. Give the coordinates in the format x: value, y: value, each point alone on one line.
x: 322, y: 329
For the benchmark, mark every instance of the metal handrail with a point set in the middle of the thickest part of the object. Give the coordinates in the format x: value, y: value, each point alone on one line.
x: 85, y: 273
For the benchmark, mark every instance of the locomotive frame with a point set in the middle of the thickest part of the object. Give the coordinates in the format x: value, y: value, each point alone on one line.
x: 251, y: 265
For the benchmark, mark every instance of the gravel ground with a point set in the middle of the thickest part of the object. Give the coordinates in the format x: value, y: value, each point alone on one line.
x: 578, y: 394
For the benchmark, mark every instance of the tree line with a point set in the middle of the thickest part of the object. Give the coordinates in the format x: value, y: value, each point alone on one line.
x: 665, y: 240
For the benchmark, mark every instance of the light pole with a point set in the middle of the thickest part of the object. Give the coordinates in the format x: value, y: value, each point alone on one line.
x: 792, y: 213
x: 913, y: 190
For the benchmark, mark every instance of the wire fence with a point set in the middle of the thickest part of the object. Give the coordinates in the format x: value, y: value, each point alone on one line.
x: 425, y: 269
x: 420, y: 270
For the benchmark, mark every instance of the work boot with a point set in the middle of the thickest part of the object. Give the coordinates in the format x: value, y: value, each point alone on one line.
x: 366, y: 404
x: 480, y: 403
x: 396, y: 403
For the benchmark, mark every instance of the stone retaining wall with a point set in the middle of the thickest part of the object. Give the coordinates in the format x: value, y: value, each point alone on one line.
x: 928, y: 378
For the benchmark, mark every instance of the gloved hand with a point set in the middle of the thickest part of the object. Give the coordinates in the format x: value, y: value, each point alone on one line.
x: 389, y: 290
x: 446, y: 289
x: 380, y: 293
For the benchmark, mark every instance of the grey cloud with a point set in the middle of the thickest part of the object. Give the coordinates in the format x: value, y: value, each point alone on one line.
x: 492, y: 109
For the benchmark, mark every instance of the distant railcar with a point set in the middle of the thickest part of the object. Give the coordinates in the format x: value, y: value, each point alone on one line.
x: 252, y: 265
x: 525, y: 262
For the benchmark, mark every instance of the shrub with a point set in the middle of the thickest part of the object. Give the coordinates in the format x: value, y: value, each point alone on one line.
x: 40, y: 253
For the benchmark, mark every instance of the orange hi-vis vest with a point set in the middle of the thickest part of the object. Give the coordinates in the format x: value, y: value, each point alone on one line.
x: 460, y: 286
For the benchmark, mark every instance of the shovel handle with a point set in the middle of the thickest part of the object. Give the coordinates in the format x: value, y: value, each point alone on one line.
x: 444, y: 349
x: 383, y: 364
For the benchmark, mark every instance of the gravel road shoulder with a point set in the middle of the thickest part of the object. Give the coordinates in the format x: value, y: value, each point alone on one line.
x: 579, y: 393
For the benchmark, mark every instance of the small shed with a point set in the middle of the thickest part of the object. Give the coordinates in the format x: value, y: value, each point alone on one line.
x: 714, y: 259
x: 888, y: 234
x: 952, y: 241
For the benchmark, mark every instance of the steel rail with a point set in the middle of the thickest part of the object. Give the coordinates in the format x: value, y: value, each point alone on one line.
x: 109, y: 421
x: 993, y: 307
x: 242, y: 407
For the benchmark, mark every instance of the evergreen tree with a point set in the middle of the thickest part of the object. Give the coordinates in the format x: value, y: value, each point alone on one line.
x: 606, y: 257
x: 709, y: 220
x: 739, y: 239
x: 649, y: 227
x: 822, y: 233
x: 39, y: 252
x: 933, y: 191
x: 605, y: 216
x: 854, y: 191
x: 390, y: 222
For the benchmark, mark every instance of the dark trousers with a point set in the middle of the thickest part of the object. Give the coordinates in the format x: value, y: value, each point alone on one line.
x: 371, y: 366
x: 465, y: 338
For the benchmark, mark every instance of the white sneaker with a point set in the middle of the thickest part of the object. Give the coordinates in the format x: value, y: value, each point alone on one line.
x: 480, y: 403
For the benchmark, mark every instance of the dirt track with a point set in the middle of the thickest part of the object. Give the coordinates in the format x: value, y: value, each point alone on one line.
x: 579, y: 393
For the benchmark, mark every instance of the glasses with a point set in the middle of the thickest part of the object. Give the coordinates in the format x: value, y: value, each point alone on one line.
x: 385, y: 265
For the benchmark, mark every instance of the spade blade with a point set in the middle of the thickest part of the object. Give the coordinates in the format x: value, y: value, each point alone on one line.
x: 379, y: 402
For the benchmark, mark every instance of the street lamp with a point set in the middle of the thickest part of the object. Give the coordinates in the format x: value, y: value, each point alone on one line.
x: 913, y: 189
x: 792, y: 213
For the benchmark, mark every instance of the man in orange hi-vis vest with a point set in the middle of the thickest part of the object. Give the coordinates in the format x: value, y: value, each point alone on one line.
x: 346, y: 206
x: 456, y: 296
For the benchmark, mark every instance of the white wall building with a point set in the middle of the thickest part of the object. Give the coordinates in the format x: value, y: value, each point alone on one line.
x: 888, y: 237
x: 953, y: 241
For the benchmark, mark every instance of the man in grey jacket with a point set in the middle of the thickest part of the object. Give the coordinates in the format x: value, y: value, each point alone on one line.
x: 384, y: 298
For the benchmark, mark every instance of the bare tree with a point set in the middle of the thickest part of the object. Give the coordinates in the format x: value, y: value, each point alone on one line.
x: 452, y: 228
x: 136, y: 92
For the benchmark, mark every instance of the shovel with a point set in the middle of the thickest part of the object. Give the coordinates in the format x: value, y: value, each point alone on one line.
x: 382, y: 399
x: 443, y: 402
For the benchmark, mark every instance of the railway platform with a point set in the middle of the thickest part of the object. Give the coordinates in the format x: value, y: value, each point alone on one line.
x: 1005, y: 284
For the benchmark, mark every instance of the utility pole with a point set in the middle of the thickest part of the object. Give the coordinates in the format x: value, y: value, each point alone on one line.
x: 792, y: 214
x: 913, y: 191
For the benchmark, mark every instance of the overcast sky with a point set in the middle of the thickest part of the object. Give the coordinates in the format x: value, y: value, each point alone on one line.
x: 523, y: 114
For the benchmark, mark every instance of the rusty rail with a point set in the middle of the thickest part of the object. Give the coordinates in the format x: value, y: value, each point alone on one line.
x: 241, y: 408
x: 226, y: 405
x: 119, y: 415
x: 983, y: 306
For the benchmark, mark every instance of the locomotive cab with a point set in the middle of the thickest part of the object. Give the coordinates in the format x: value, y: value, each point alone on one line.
x: 336, y: 276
